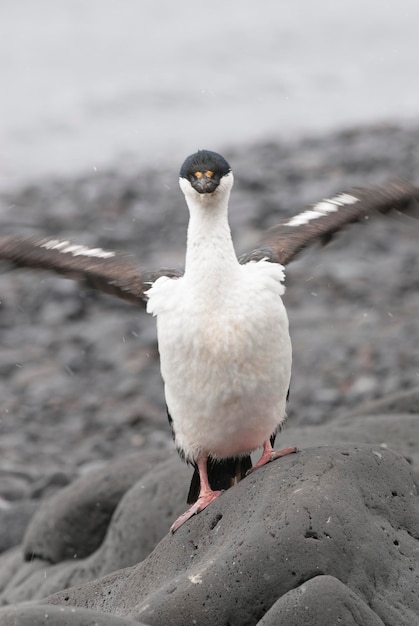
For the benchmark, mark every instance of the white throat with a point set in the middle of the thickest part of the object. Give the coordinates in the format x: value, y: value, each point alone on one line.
x: 209, y: 249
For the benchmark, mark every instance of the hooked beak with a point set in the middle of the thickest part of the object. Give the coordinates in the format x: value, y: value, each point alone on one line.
x: 205, y: 184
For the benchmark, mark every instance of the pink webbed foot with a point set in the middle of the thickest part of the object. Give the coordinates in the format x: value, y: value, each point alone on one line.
x: 269, y: 454
x: 206, y: 495
x: 202, y: 502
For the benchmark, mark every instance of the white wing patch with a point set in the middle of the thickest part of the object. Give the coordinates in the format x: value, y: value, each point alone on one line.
x: 322, y: 208
x: 75, y: 249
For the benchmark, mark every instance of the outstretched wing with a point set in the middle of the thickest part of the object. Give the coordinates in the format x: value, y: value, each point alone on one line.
x: 284, y: 241
x: 115, y: 273
x: 118, y: 274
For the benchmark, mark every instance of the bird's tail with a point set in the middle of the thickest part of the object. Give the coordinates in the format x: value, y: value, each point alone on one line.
x: 222, y: 474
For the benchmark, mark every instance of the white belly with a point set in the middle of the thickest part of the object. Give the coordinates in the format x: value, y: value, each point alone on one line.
x: 226, y: 369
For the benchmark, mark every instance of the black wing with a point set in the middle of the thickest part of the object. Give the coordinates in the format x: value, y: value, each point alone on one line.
x: 115, y: 273
x: 321, y: 221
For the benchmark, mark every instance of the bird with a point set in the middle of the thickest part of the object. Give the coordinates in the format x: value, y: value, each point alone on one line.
x: 222, y: 328
x: 223, y: 339
x: 118, y: 272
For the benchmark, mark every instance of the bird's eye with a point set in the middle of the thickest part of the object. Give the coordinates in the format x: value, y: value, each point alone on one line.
x: 209, y: 174
x: 198, y: 175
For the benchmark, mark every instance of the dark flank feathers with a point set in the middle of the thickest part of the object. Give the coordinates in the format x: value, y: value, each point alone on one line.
x: 222, y: 474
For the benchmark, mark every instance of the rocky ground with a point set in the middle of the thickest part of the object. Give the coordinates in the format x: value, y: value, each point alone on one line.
x: 80, y: 387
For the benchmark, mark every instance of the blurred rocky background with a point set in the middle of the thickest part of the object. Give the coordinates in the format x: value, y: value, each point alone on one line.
x: 101, y: 102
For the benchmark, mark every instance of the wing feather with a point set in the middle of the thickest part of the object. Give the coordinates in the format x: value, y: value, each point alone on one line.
x: 283, y: 242
x: 118, y: 274
x: 115, y: 273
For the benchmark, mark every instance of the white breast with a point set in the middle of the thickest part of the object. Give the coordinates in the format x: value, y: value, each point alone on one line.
x: 225, y: 359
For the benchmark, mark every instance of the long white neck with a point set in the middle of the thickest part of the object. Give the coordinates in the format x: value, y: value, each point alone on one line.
x: 209, y: 252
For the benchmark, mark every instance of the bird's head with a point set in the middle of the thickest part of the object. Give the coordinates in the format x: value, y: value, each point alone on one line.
x: 205, y: 174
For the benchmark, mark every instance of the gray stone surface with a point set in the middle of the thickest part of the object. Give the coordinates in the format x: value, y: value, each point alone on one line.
x: 400, y: 432
x: 367, y: 492
x: 11, y: 562
x: 43, y: 615
x: 140, y: 521
x: 322, y: 601
x: 73, y: 523
x: 350, y: 513
x: 14, y: 519
x: 400, y: 402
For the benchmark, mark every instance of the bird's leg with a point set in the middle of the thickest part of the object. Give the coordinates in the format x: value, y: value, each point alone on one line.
x: 206, y: 495
x: 269, y: 454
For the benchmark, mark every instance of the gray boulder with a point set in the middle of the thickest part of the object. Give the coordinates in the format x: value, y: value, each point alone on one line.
x: 324, y: 601
x: 73, y: 523
x: 40, y: 615
x: 140, y: 521
x: 347, y: 513
x: 13, y: 522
